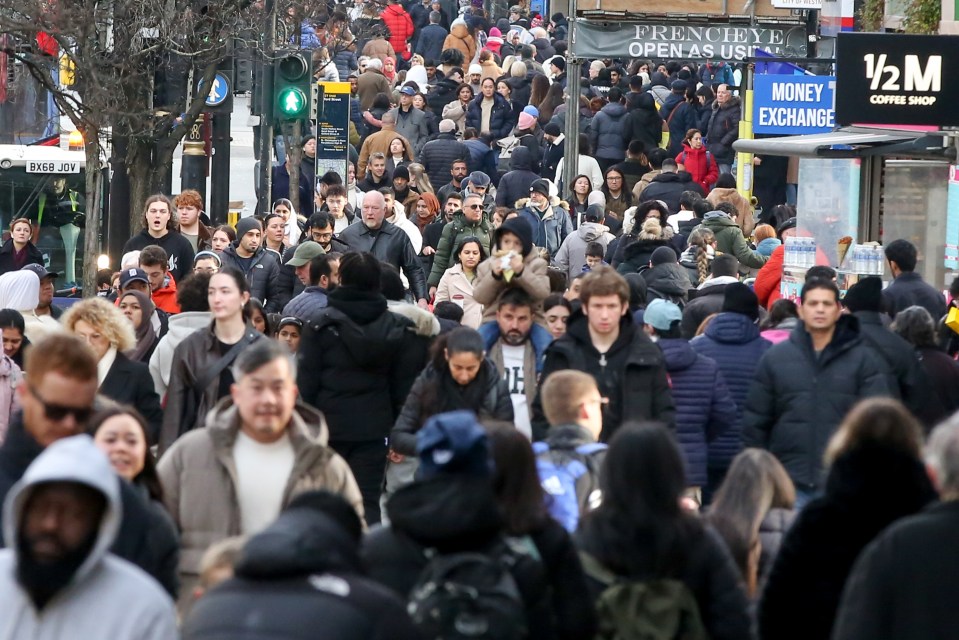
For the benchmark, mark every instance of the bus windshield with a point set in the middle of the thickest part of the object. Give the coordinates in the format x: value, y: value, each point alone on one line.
x: 31, y: 187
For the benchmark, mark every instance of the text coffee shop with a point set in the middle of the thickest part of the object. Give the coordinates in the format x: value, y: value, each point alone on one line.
x: 885, y: 163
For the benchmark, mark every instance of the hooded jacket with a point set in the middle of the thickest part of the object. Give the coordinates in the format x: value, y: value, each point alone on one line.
x: 571, y: 256
x: 799, y: 397
x: 199, y: 477
x: 744, y: 209
x: 701, y: 165
x: 515, y: 184
x: 178, y: 249
x: 769, y: 278
x: 704, y: 406
x: 668, y: 281
x: 606, y: 132
x: 644, y: 122
x: 459, y: 227
x: 358, y: 361
x: 460, y: 39
x: 488, y: 287
x: 707, y: 301
x: 262, y: 276
x: 398, y: 21
x: 730, y: 239
x: 108, y: 597
x: 733, y: 341
x: 181, y: 325
x: 549, y: 227
x: 301, y: 572
x: 668, y: 187
x: 632, y: 374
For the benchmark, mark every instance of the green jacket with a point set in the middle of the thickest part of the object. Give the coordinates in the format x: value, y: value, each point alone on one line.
x: 452, y: 232
x: 729, y: 239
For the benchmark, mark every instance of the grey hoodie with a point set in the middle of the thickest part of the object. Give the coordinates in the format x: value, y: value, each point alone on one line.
x: 181, y: 325
x: 108, y: 597
x: 571, y: 256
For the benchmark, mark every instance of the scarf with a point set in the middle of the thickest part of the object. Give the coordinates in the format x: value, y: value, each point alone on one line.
x: 145, y: 334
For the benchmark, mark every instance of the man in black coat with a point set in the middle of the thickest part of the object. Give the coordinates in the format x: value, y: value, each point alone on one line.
x: 864, y: 301
x: 431, y: 38
x: 57, y: 399
x: 669, y: 185
x: 908, y: 288
x: 303, y: 572
x: 804, y: 386
x: 439, y: 155
x: 358, y: 361
x: 260, y: 267
x: 904, y: 583
x: 386, y: 242
x: 602, y: 340
x: 709, y: 297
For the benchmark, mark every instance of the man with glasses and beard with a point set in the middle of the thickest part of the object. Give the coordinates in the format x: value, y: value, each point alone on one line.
x: 468, y: 222
x: 58, y: 578
x: 56, y: 398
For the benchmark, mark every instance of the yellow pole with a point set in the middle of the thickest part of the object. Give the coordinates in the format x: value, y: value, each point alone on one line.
x: 744, y: 180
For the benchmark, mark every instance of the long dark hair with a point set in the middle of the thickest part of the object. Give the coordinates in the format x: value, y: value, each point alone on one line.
x: 641, y: 529
x: 459, y: 340
x: 519, y: 494
x: 148, y: 477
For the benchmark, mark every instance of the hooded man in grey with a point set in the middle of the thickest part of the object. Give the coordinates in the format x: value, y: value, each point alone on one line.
x: 56, y: 573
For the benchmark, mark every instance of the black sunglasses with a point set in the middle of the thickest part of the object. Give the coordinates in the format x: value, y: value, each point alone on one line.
x: 474, y: 206
x: 58, y: 412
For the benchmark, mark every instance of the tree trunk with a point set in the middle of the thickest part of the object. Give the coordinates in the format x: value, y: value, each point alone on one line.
x: 94, y: 201
x: 139, y: 161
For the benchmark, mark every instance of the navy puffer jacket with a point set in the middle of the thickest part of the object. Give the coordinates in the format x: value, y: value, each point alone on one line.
x: 500, y: 119
x: 733, y: 341
x: 704, y: 406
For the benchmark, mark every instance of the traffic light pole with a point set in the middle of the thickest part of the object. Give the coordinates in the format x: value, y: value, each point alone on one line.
x: 220, y: 168
x: 265, y: 92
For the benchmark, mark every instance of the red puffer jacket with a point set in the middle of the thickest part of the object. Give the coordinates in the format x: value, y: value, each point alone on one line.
x: 769, y: 277
x: 700, y: 164
x: 401, y: 28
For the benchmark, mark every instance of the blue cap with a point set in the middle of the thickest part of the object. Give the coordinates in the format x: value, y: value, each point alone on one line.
x: 453, y: 443
x: 661, y: 314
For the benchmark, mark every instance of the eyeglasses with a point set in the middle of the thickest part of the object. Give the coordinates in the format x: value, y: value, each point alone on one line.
x: 474, y: 206
x: 603, y: 402
x: 323, y: 236
x: 58, y: 412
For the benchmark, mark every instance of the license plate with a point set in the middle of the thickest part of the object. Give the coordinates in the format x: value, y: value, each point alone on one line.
x: 56, y: 166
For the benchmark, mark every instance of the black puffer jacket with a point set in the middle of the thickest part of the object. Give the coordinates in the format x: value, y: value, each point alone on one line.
x: 450, y: 514
x: 389, y: 244
x: 6, y: 256
x: 668, y: 281
x: 515, y: 185
x: 644, y: 122
x: 262, y: 276
x: 437, y: 158
x: 302, y: 572
x: 500, y: 119
x: 868, y: 489
x: 632, y: 255
x: 358, y: 361
x: 632, y: 374
x: 798, y: 398
x: 496, y: 404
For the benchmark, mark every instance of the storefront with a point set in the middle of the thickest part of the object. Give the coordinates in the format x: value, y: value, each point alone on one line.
x: 890, y: 171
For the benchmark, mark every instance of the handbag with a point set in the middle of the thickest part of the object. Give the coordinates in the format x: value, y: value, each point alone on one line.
x: 952, y: 319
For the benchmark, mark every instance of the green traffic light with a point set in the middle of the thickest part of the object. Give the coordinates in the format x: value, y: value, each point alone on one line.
x: 292, y: 102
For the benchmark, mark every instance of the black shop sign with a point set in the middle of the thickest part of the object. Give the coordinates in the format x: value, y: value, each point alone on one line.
x: 892, y: 79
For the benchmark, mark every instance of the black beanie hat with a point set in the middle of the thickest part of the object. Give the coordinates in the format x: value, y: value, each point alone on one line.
x: 738, y: 298
x: 401, y: 172
x: 865, y: 295
x: 662, y: 255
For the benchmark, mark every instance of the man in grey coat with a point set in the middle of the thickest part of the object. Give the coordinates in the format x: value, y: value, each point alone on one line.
x: 410, y: 121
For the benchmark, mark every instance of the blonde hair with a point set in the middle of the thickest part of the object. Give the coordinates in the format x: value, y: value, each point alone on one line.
x: 103, y: 316
x: 652, y: 229
x: 701, y: 239
x: 419, y: 179
x: 877, y: 421
x: 563, y: 393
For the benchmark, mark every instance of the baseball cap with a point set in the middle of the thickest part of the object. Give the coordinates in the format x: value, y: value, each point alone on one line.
x: 660, y: 314
x: 408, y: 91
x: 447, y: 125
x: 305, y: 252
x: 133, y: 275
x: 40, y: 270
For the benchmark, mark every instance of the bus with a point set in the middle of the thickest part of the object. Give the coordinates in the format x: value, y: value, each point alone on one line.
x: 47, y: 186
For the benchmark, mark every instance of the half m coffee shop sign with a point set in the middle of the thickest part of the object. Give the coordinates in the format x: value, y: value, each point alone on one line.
x: 716, y: 41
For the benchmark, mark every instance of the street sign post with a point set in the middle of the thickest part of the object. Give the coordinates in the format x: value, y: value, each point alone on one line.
x: 219, y: 90
x: 332, y: 129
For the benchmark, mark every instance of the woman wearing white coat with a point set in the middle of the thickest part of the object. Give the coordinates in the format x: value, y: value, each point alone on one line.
x: 456, y: 285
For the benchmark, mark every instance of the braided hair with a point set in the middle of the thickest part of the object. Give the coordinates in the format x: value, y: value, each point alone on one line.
x: 701, y: 239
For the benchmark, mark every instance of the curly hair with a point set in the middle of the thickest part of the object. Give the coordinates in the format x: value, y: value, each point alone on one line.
x: 105, y: 318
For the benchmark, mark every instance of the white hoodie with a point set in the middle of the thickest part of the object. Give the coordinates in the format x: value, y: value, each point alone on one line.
x: 108, y: 597
x: 181, y: 326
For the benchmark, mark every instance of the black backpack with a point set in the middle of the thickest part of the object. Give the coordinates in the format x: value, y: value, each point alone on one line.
x: 472, y: 595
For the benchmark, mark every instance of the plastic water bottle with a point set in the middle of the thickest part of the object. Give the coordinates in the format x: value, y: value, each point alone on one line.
x: 810, y: 252
x: 789, y: 252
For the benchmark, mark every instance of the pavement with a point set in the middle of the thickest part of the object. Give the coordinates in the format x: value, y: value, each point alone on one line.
x: 242, y: 162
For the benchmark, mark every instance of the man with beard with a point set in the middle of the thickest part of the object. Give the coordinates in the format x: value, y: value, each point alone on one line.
x: 56, y: 399
x: 458, y: 172
x: 57, y: 578
x: 516, y: 346
x: 323, y: 273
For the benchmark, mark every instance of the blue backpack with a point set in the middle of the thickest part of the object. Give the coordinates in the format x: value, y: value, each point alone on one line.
x: 570, y: 478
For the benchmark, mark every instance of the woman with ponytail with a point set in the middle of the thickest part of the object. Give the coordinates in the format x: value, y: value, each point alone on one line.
x: 699, y: 254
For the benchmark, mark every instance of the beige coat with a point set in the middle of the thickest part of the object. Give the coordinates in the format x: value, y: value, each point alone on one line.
x: 744, y: 210
x: 379, y: 142
x: 456, y: 112
x: 460, y: 38
x: 487, y: 288
x: 198, y: 474
x: 455, y: 283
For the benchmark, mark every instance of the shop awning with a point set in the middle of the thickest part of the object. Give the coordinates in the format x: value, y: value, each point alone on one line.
x: 848, y: 143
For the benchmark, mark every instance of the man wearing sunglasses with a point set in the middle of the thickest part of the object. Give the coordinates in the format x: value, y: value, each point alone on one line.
x: 57, y: 397
x: 468, y: 222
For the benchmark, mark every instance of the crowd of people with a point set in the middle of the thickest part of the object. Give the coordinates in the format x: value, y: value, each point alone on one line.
x: 453, y: 398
